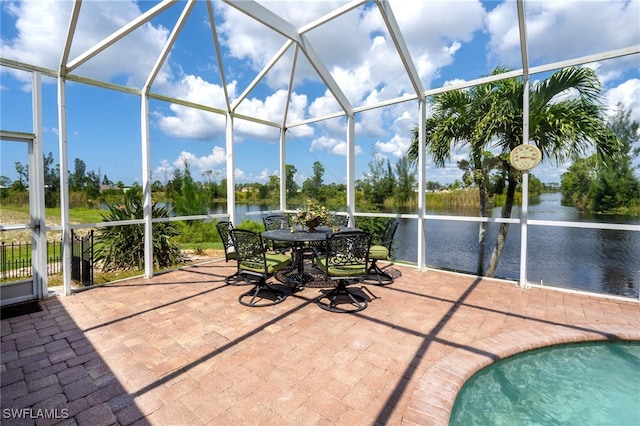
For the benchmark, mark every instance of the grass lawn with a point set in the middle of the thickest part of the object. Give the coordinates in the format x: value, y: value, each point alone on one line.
x: 20, y: 214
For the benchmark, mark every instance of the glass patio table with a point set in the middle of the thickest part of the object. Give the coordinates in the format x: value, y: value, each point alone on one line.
x: 302, y: 241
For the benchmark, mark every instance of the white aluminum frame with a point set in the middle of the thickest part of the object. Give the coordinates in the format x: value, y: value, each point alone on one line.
x: 37, y: 222
x: 295, y: 38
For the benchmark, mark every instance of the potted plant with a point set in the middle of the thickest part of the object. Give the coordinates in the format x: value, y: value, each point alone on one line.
x: 313, y: 215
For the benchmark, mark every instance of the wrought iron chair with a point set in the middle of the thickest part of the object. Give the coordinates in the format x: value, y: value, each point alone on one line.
x: 254, y: 261
x: 319, y: 247
x: 277, y: 221
x: 224, y: 229
x: 382, y: 251
x: 345, y: 262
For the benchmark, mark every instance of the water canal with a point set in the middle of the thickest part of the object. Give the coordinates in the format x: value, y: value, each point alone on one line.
x: 595, y: 260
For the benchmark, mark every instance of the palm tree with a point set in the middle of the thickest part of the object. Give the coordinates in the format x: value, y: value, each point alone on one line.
x: 565, y: 121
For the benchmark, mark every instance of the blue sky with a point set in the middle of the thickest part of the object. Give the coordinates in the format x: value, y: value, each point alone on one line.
x: 449, y: 41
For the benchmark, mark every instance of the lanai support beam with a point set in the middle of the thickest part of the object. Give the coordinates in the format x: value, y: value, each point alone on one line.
x: 525, y: 140
x: 36, y: 195
x: 145, y: 140
x: 147, y: 209
x: 231, y: 193
x: 63, y: 151
x: 351, y: 168
x: 422, y: 178
x: 283, y: 167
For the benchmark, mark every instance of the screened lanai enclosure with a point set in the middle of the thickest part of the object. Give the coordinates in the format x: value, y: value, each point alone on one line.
x: 243, y: 92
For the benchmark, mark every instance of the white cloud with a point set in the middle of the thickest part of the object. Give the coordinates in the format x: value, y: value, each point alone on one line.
x: 559, y: 30
x: 323, y: 105
x: 42, y: 28
x: 164, y: 172
x: 264, y: 175
x: 191, y: 123
x: 199, y: 166
x: 627, y: 93
x: 366, y: 66
x: 332, y: 145
x: 239, y: 175
x: 397, y: 146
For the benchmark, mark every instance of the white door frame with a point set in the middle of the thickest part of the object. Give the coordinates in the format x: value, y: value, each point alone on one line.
x: 37, y: 286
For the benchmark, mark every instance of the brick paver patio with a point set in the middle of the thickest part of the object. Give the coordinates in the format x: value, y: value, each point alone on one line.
x: 178, y: 349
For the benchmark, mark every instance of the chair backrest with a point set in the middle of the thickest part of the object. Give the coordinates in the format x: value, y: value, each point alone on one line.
x: 389, y: 233
x: 347, y: 254
x: 224, y: 227
x: 249, y: 249
x: 276, y: 221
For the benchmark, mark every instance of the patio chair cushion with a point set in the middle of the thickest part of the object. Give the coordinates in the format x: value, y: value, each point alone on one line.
x: 342, y: 270
x: 378, y: 252
x: 275, y: 262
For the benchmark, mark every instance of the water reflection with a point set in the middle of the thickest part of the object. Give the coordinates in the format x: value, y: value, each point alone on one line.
x: 586, y: 259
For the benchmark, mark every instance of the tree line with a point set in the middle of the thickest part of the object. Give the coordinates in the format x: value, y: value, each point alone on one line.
x: 612, y: 187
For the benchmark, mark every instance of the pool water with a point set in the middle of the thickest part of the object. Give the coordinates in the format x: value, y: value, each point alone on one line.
x: 596, y: 383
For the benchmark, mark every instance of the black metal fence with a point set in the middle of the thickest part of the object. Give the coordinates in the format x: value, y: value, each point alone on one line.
x: 82, y: 258
x: 16, y: 257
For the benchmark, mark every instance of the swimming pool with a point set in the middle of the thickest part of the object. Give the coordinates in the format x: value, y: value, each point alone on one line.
x: 573, y: 384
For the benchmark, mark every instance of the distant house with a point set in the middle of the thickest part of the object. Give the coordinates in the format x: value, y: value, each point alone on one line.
x: 112, y: 187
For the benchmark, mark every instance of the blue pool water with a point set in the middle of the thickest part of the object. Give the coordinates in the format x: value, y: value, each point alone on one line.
x: 596, y: 383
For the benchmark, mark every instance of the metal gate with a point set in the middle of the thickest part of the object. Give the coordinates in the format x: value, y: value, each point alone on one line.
x: 82, y: 258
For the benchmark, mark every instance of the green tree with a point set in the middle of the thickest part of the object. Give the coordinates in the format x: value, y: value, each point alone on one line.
x: 291, y: 185
x: 92, y: 184
x: 606, y: 188
x: 77, y: 178
x: 174, y: 186
x: 628, y: 131
x: 616, y: 188
x: 51, y: 181
x: 191, y: 200
x: 157, y: 186
x: 312, y: 185
x: 491, y: 116
x: 23, y: 177
x: 406, y: 180
x: 380, y: 182
x: 263, y: 191
x: 274, y: 184
x: 575, y: 183
x: 433, y: 186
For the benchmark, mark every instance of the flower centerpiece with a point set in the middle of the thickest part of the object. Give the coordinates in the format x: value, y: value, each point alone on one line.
x: 313, y: 215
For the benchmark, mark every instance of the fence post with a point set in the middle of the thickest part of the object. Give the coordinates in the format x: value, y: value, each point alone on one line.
x: 75, y: 260
x: 82, y: 258
x: 3, y: 261
x: 91, y: 257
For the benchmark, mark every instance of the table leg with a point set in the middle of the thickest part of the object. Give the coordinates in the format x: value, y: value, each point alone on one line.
x: 298, y: 277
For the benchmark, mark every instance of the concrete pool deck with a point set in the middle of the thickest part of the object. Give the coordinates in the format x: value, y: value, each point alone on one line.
x: 178, y: 349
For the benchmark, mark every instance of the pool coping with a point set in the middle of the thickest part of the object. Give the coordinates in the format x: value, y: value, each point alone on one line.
x: 434, y: 395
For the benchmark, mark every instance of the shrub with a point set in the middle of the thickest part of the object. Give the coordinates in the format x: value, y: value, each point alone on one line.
x: 197, y: 231
x: 122, y: 247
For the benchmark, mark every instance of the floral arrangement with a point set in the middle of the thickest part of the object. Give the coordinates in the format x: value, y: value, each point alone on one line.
x: 313, y: 211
